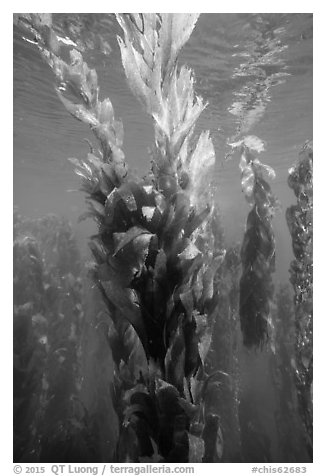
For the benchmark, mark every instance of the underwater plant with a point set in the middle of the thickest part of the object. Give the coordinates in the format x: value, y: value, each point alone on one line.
x: 283, y: 340
x: 258, y: 246
x: 300, y: 221
x: 224, y: 351
x: 48, y: 316
x: 153, y: 264
x: 28, y: 349
x: 282, y: 344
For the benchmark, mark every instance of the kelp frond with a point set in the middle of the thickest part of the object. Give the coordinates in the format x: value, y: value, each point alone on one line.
x: 258, y: 247
x: 77, y: 88
x: 149, y: 56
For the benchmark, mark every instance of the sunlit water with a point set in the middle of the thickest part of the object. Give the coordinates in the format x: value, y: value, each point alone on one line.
x: 255, y: 72
x: 263, y: 62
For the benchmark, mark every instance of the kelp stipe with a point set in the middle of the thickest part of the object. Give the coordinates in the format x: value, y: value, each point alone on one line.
x: 153, y: 266
x: 300, y: 222
x: 258, y: 247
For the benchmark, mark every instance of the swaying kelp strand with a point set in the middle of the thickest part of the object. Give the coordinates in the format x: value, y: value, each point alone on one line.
x: 300, y: 222
x: 257, y: 251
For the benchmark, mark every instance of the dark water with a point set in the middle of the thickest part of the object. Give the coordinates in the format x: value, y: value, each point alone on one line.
x: 255, y: 72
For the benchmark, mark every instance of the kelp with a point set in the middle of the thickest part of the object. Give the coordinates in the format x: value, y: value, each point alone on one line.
x: 48, y: 314
x: 281, y: 364
x: 290, y: 435
x: 153, y: 266
x: 225, y: 395
x: 28, y: 348
x: 149, y: 56
x: 258, y: 247
x: 300, y: 221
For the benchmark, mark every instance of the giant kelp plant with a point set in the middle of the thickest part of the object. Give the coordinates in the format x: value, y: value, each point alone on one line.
x: 153, y: 266
x: 258, y: 246
x: 300, y: 221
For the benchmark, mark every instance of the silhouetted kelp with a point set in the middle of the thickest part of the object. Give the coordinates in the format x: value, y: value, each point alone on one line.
x: 300, y: 221
x: 258, y: 249
x: 291, y: 438
x: 225, y: 351
x: 48, y: 317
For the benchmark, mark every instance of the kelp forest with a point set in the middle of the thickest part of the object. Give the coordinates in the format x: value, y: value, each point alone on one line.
x: 137, y: 354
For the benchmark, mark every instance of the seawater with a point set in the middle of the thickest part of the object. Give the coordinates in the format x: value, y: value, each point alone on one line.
x: 254, y: 71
